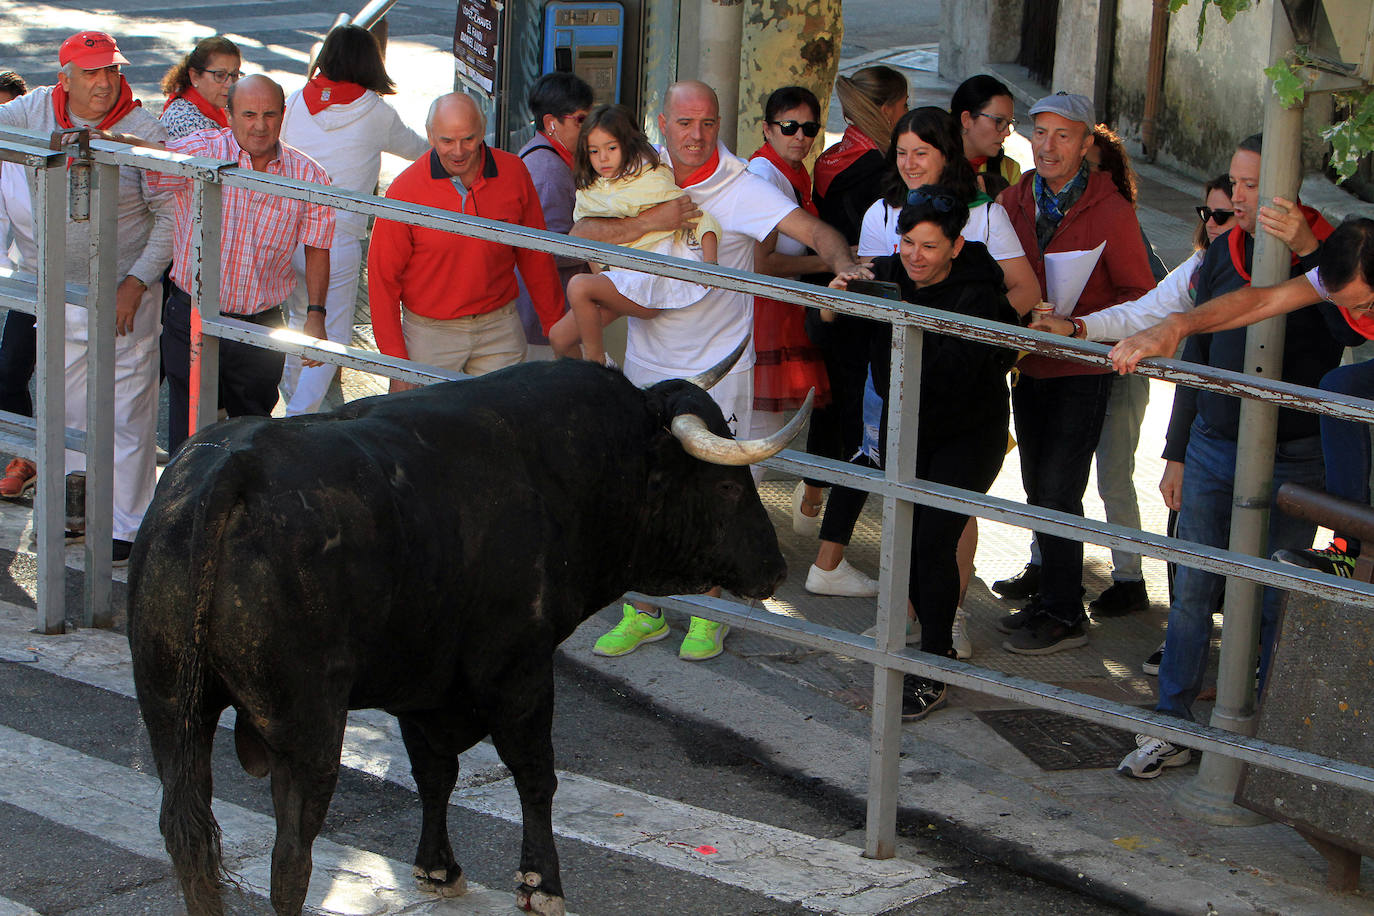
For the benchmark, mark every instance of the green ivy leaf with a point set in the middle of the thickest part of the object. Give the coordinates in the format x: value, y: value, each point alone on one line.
x: 1288, y: 85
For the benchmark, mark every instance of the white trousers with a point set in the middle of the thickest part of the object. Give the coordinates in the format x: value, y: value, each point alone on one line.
x: 734, y: 393
x: 135, y: 408
x: 303, y: 387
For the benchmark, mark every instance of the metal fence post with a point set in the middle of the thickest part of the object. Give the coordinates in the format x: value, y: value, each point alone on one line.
x: 899, y: 461
x: 100, y: 357
x: 50, y: 231
x: 207, y: 211
x: 1210, y: 795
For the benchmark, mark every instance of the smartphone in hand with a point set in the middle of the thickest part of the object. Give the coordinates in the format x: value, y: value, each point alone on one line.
x: 879, y: 288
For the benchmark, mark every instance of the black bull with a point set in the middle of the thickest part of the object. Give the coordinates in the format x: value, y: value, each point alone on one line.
x: 422, y: 553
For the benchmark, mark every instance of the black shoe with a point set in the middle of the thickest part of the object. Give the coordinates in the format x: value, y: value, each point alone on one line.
x: 1120, y: 599
x: 1022, y: 585
x: 921, y: 697
x: 119, y: 553
x: 1045, y: 636
x: 1151, y: 665
x: 1015, y: 622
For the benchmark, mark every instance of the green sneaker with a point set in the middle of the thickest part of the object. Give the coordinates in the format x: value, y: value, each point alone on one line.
x: 705, y: 639
x: 634, y: 629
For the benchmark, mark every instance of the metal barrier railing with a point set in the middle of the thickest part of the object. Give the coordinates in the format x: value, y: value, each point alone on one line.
x: 897, y: 485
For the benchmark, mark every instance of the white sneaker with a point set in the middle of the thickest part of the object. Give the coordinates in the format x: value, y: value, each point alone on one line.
x: 1151, y: 757
x: 844, y: 581
x: 962, y: 646
x: 805, y: 525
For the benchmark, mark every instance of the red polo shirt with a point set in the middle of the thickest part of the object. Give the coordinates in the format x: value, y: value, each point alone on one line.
x: 444, y: 275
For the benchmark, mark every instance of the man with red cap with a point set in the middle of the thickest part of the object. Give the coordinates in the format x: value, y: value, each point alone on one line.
x: 92, y: 93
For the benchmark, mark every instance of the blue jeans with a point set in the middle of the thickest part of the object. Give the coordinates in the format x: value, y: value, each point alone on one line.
x: 1208, y: 479
x: 1058, y: 424
x: 1345, y: 443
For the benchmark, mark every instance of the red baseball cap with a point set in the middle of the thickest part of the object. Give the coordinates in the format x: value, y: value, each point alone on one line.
x: 90, y: 51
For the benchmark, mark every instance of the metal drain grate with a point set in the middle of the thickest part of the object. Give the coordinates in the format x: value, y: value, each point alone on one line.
x: 1054, y: 741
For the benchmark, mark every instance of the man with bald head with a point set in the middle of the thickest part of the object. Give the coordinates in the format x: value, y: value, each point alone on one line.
x: 261, y: 232
x: 445, y: 299
x: 681, y: 342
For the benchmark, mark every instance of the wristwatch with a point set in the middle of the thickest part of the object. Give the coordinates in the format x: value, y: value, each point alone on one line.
x: 315, y: 308
x: 1080, y: 330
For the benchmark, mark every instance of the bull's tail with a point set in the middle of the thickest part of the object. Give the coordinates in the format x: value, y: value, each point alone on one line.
x: 188, y: 826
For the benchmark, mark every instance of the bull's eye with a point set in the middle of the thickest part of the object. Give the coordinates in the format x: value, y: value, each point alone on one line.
x: 729, y: 490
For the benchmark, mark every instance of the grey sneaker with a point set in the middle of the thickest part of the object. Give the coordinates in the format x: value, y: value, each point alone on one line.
x: 1151, y: 757
x: 1045, y: 636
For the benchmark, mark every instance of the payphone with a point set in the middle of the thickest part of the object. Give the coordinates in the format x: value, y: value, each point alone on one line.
x: 588, y: 39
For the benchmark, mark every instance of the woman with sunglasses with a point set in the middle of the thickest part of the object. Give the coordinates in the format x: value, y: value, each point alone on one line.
x: 983, y: 108
x: 197, y: 88
x: 559, y: 103
x: 787, y: 365
x: 341, y: 121
x: 964, y: 409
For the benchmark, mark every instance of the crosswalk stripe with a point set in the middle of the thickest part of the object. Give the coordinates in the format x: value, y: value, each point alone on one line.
x: 821, y: 875
x: 10, y: 908
x: 119, y: 806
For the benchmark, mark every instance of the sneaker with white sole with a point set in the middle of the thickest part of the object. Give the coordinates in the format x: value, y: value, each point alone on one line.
x: 634, y: 630
x: 1151, y: 757
x: 963, y: 646
x: 803, y: 524
x: 705, y: 639
x: 913, y: 632
x: 921, y: 697
x: 1151, y: 664
x: 844, y: 581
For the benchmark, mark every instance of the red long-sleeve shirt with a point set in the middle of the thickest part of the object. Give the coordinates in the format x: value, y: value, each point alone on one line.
x: 443, y: 275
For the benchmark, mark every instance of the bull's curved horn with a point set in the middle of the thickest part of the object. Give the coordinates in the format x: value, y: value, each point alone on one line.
x: 707, y: 379
x: 700, y: 442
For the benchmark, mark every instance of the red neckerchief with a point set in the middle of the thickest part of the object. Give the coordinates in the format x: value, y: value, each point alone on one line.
x: 321, y: 92
x: 977, y: 162
x: 557, y: 146
x: 192, y: 95
x: 796, y: 174
x: 841, y: 156
x: 1236, y: 241
x: 122, y: 106
x: 703, y: 173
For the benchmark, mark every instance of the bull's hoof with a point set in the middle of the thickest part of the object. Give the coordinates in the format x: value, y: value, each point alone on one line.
x: 541, y: 903
x: 438, y: 881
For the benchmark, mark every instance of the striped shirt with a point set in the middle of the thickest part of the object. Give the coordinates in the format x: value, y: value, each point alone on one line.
x: 260, y: 231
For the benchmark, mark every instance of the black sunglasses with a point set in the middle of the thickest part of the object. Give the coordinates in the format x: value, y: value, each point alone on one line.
x: 942, y: 203
x: 790, y: 128
x: 1220, y: 217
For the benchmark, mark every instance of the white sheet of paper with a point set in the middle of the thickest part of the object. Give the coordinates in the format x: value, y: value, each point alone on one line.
x: 1066, y: 273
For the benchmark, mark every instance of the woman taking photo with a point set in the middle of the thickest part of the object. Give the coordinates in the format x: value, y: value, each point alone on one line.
x: 786, y: 365
x: 964, y: 407
x: 340, y: 120
x: 197, y: 89
x: 983, y: 111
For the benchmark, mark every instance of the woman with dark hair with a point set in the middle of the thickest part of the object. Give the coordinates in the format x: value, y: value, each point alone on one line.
x: 341, y: 121
x: 964, y: 408
x: 786, y: 364
x: 197, y: 88
x: 982, y: 107
x: 558, y: 104
x: 925, y: 150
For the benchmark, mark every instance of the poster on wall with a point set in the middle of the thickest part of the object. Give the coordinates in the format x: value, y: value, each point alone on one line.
x: 474, y: 43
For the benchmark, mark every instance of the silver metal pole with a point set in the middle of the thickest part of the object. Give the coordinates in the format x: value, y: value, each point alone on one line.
x: 50, y: 230
x: 100, y: 358
x: 899, y: 461
x: 207, y: 211
x: 722, y: 32
x: 1210, y: 795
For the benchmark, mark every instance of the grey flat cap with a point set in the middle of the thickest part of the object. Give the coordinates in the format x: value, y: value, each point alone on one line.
x: 1067, y: 105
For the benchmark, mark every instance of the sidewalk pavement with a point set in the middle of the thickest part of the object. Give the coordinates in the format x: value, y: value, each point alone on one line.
x: 806, y: 712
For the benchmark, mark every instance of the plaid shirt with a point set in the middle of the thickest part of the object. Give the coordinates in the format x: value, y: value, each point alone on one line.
x: 260, y: 230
